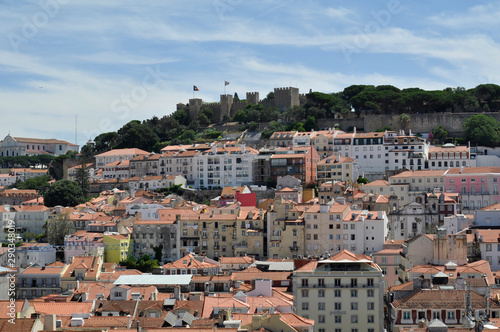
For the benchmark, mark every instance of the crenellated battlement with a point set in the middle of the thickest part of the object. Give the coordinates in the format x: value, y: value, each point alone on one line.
x: 284, y: 98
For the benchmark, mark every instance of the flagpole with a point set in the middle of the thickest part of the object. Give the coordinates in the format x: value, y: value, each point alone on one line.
x: 224, y: 87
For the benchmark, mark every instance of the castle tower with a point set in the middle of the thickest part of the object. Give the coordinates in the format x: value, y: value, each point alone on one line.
x: 194, y: 108
x: 226, y: 105
x: 253, y: 98
x: 284, y: 98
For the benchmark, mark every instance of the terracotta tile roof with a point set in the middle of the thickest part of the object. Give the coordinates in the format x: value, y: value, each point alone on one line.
x: 61, y: 309
x: 116, y: 274
x: 212, y: 302
x: 473, y: 170
x: 488, y: 235
x: 44, y: 270
x: 333, y: 160
x: 441, y: 299
x: 408, y: 174
x: 376, y: 183
x: 189, y: 262
x: 89, y: 263
x: 119, y: 152
x: 341, y: 256
x: 21, y: 324
x: 254, y: 273
x: 106, y: 321
x: 236, y: 260
x: 3, y: 304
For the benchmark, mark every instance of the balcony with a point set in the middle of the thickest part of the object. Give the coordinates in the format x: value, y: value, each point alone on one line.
x: 240, y: 245
x: 294, y: 248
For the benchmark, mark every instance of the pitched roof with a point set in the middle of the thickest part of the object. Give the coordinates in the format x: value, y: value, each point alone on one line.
x: 441, y: 299
x: 119, y: 152
x: 61, y: 308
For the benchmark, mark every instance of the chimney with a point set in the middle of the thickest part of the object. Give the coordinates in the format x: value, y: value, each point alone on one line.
x: 214, y: 149
x: 355, y: 130
x: 380, y: 214
x: 243, y: 148
x: 50, y: 322
x: 129, y: 321
x: 177, y: 293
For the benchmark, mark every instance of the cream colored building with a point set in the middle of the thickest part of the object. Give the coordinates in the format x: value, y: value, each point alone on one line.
x: 343, y: 293
x: 336, y: 168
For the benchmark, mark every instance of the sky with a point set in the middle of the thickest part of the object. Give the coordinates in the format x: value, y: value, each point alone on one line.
x: 73, y: 69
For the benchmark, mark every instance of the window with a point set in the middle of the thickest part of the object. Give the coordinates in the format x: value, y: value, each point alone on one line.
x: 488, y: 247
x: 321, y: 305
x: 354, y: 282
x: 450, y: 315
x: 371, y: 293
x: 406, y: 315
x: 338, y: 306
x: 305, y: 293
x: 337, y: 282
x: 321, y: 282
x: 369, y: 282
x: 354, y: 305
x: 436, y: 315
x: 338, y: 319
x: 371, y: 319
x: 305, y: 282
x: 354, y: 319
x: 354, y: 293
x: 305, y: 305
x: 337, y: 293
x: 321, y: 293
x: 321, y: 319
x: 371, y: 305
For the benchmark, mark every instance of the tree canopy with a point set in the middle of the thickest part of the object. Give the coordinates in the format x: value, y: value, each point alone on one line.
x: 482, y: 129
x: 64, y: 193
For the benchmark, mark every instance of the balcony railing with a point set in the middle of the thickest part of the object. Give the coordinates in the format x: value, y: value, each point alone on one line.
x: 294, y: 248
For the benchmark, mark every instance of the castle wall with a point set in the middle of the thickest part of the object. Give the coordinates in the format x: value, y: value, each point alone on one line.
x: 253, y: 98
x: 420, y: 123
x: 285, y: 98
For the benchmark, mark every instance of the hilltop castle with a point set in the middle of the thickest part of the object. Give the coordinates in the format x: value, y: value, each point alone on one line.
x: 284, y: 98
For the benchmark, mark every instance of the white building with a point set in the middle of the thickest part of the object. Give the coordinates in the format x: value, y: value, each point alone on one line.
x: 41, y: 254
x: 22, y: 146
x: 117, y: 155
x: 224, y: 166
x: 343, y: 293
x: 405, y: 152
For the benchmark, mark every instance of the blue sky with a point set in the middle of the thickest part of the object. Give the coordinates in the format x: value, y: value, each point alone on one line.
x: 109, y: 62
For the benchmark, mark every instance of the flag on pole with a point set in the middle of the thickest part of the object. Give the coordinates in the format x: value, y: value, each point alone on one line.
x: 195, y: 88
x: 226, y: 83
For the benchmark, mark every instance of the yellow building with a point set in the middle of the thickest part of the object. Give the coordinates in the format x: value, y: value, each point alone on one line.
x: 230, y: 231
x: 336, y: 168
x: 117, y: 247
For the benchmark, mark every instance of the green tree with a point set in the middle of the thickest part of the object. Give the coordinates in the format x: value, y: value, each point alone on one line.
x: 362, y: 180
x: 439, y: 133
x: 82, y: 177
x: 65, y: 193
x: 106, y: 141
x: 404, y: 120
x: 37, y: 183
x: 58, y: 228
x: 240, y: 116
x: 482, y: 129
x: 137, y: 135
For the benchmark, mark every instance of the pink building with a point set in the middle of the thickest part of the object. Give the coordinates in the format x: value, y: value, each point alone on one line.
x: 478, y: 186
x: 389, y: 260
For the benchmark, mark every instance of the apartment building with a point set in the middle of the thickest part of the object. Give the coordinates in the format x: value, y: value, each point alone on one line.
x: 145, y: 165
x: 224, y: 166
x: 299, y: 162
x: 420, y: 181
x: 35, y: 282
x: 111, y: 156
x: 117, y: 169
x: 406, y: 152
x: 449, y: 155
x: 342, y: 293
x: 478, y: 186
x: 81, y: 269
x: 337, y: 168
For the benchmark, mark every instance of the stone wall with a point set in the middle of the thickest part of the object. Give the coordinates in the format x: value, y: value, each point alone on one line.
x: 420, y: 123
